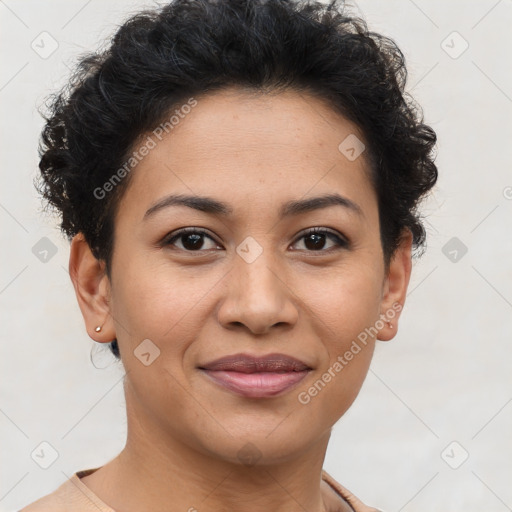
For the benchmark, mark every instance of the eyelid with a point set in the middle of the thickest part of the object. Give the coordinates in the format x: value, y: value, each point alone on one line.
x: 343, y: 241
x: 183, y: 231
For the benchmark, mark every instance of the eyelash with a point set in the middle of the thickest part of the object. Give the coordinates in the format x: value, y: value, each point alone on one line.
x: 341, y: 242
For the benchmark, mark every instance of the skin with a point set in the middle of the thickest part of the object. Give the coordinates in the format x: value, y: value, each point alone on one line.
x: 184, y: 432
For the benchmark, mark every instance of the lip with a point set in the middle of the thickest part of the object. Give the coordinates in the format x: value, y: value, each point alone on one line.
x: 256, y: 376
x: 246, y: 363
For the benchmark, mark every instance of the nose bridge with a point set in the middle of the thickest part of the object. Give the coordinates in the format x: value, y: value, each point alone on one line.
x: 258, y: 276
x: 258, y: 286
x: 256, y: 295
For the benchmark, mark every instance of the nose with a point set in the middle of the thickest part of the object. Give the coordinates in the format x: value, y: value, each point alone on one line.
x: 258, y: 297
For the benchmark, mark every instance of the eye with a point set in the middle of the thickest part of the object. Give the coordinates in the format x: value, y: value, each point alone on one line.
x: 191, y: 239
x: 316, y: 238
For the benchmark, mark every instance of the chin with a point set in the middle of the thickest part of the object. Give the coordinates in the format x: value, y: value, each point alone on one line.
x: 261, y: 444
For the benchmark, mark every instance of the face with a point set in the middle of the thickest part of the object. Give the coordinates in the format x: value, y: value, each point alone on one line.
x: 268, y: 271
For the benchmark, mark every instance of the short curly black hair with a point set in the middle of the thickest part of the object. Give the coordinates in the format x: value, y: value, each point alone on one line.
x: 158, y: 58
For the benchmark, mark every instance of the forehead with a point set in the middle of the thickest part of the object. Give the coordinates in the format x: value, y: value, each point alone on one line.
x: 244, y: 146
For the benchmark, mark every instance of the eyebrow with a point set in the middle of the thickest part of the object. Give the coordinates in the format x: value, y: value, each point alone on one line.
x: 218, y: 208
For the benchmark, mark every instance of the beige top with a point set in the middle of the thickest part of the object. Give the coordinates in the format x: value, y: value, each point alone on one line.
x: 74, y: 496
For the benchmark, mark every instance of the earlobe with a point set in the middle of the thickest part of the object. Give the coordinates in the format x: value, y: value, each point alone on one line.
x: 395, y: 287
x: 92, y: 288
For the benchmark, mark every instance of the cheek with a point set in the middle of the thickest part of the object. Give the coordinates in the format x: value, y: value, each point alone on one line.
x: 153, y: 304
x: 344, y: 302
x: 159, y: 304
x: 342, y: 380
x: 345, y: 310
x: 339, y: 378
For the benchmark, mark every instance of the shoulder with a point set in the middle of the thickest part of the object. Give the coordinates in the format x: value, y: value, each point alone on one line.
x: 354, y: 501
x: 73, y: 494
x: 52, y: 502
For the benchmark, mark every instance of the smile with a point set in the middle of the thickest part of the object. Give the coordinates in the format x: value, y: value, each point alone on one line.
x: 256, y: 377
x: 259, y: 384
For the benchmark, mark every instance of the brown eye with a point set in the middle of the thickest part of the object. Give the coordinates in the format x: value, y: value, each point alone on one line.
x: 316, y: 240
x: 191, y: 239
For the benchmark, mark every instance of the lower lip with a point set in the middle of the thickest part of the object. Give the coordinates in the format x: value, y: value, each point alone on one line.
x: 256, y: 385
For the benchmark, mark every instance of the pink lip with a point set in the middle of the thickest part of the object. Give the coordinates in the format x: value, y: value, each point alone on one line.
x: 256, y: 376
x: 258, y: 384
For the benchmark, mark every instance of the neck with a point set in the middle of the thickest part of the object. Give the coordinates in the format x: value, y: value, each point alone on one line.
x: 156, y: 469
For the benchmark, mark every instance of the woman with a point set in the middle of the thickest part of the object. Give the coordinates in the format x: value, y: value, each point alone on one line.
x: 239, y: 181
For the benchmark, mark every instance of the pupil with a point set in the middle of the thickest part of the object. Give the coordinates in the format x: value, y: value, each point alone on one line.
x: 196, y: 243
x: 319, y: 240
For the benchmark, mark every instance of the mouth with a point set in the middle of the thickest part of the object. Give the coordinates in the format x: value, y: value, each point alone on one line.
x: 256, y: 377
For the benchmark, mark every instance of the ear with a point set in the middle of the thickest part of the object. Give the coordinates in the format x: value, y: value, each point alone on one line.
x: 395, y: 287
x: 92, y: 288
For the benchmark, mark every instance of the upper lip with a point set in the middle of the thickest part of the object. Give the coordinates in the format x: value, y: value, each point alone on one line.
x: 245, y: 363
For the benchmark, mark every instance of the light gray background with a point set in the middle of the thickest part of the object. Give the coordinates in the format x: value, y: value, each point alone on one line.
x: 446, y: 376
